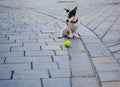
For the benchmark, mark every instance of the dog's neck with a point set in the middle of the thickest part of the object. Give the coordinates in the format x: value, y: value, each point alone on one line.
x: 74, y: 22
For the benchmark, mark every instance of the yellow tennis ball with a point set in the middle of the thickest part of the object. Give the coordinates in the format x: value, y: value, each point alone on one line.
x: 67, y: 43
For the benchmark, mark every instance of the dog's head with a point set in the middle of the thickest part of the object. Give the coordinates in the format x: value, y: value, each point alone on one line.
x: 71, y: 15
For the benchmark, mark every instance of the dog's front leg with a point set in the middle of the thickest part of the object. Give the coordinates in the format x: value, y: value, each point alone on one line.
x: 61, y: 33
x: 70, y: 35
x: 75, y: 34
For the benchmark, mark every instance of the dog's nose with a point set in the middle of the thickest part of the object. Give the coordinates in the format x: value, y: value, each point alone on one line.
x: 67, y: 21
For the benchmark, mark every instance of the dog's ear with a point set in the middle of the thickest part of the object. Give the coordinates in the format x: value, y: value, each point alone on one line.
x: 72, y: 13
x: 75, y: 9
x: 67, y: 10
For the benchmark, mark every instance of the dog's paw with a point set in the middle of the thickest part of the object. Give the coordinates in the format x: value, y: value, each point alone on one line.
x: 59, y: 37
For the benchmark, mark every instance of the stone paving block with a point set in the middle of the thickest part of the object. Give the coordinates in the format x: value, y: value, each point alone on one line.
x: 114, y: 48
x: 97, y: 50
x: 60, y: 73
x: 11, y: 54
x: 11, y: 45
x: 103, y: 60
x: 111, y: 37
x: 44, y: 66
x: 26, y: 48
x: 45, y: 40
x: 85, y: 82
x: 103, y: 28
x: 20, y: 83
x: 2, y: 60
x: 28, y: 59
x: 61, y: 52
x: 80, y: 62
x: 116, y: 55
x: 111, y: 84
x: 4, y: 49
x: 5, y: 74
x: 91, y: 40
x: 6, y: 41
x: 56, y: 39
x: 40, y: 37
x: 2, y: 35
x: 107, y: 67
x: 109, y: 76
x: 33, y: 44
x: 25, y: 66
x: 54, y: 43
x: 19, y: 37
x: 26, y: 41
x: 63, y: 65
x: 56, y: 82
x: 63, y: 59
x: 51, y: 47
x: 86, y: 33
x: 28, y: 33
x: 39, y: 53
x: 96, y: 23
x: 30, y: 74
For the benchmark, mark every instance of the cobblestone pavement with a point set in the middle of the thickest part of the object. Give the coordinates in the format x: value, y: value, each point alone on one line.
x: 31, y: 55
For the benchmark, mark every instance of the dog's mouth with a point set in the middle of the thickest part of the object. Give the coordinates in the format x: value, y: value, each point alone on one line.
x: 74, y: 21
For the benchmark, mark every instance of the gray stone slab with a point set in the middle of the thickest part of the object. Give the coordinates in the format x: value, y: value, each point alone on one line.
x: 19, y: 37
x: 33, y: 44
x: 107, y: 67
x: 53, y: 43
x: 111, y: 84
x: 114, y: 48
x: 39, y: 53
x: 102, y: 29
x: 11, y: 54
x: 2, y: 60
x: 63, y: 65
x: 111, y: 37
x: 6, y: 41
x: 116, y: 55
x: 30, y: 74
x: 5, y: 74
x: 91, y: 40
x: 28, y: 59
x: 51, y: 47
x: 62, y: 73
x: 61, y: 52
x: 11, y: 45
x: 25, y: 66
x: 45, y: 40
x: 80, y: 62
x: 97, y: 50
x: 85, y: 82
x: 28, y: 48
x: 56, y: 82
x: 27, y: 41
x: 4, y: 49
x: 44, y: 66
x: 109, y: 76
x: 103, y: 60
x: 63, y: 59
x: 20, y: 83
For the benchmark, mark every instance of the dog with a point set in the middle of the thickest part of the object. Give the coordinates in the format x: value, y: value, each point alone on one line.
x: 70, y: 30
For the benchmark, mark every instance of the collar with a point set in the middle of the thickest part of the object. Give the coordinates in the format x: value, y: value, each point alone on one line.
x: 74, y: 21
